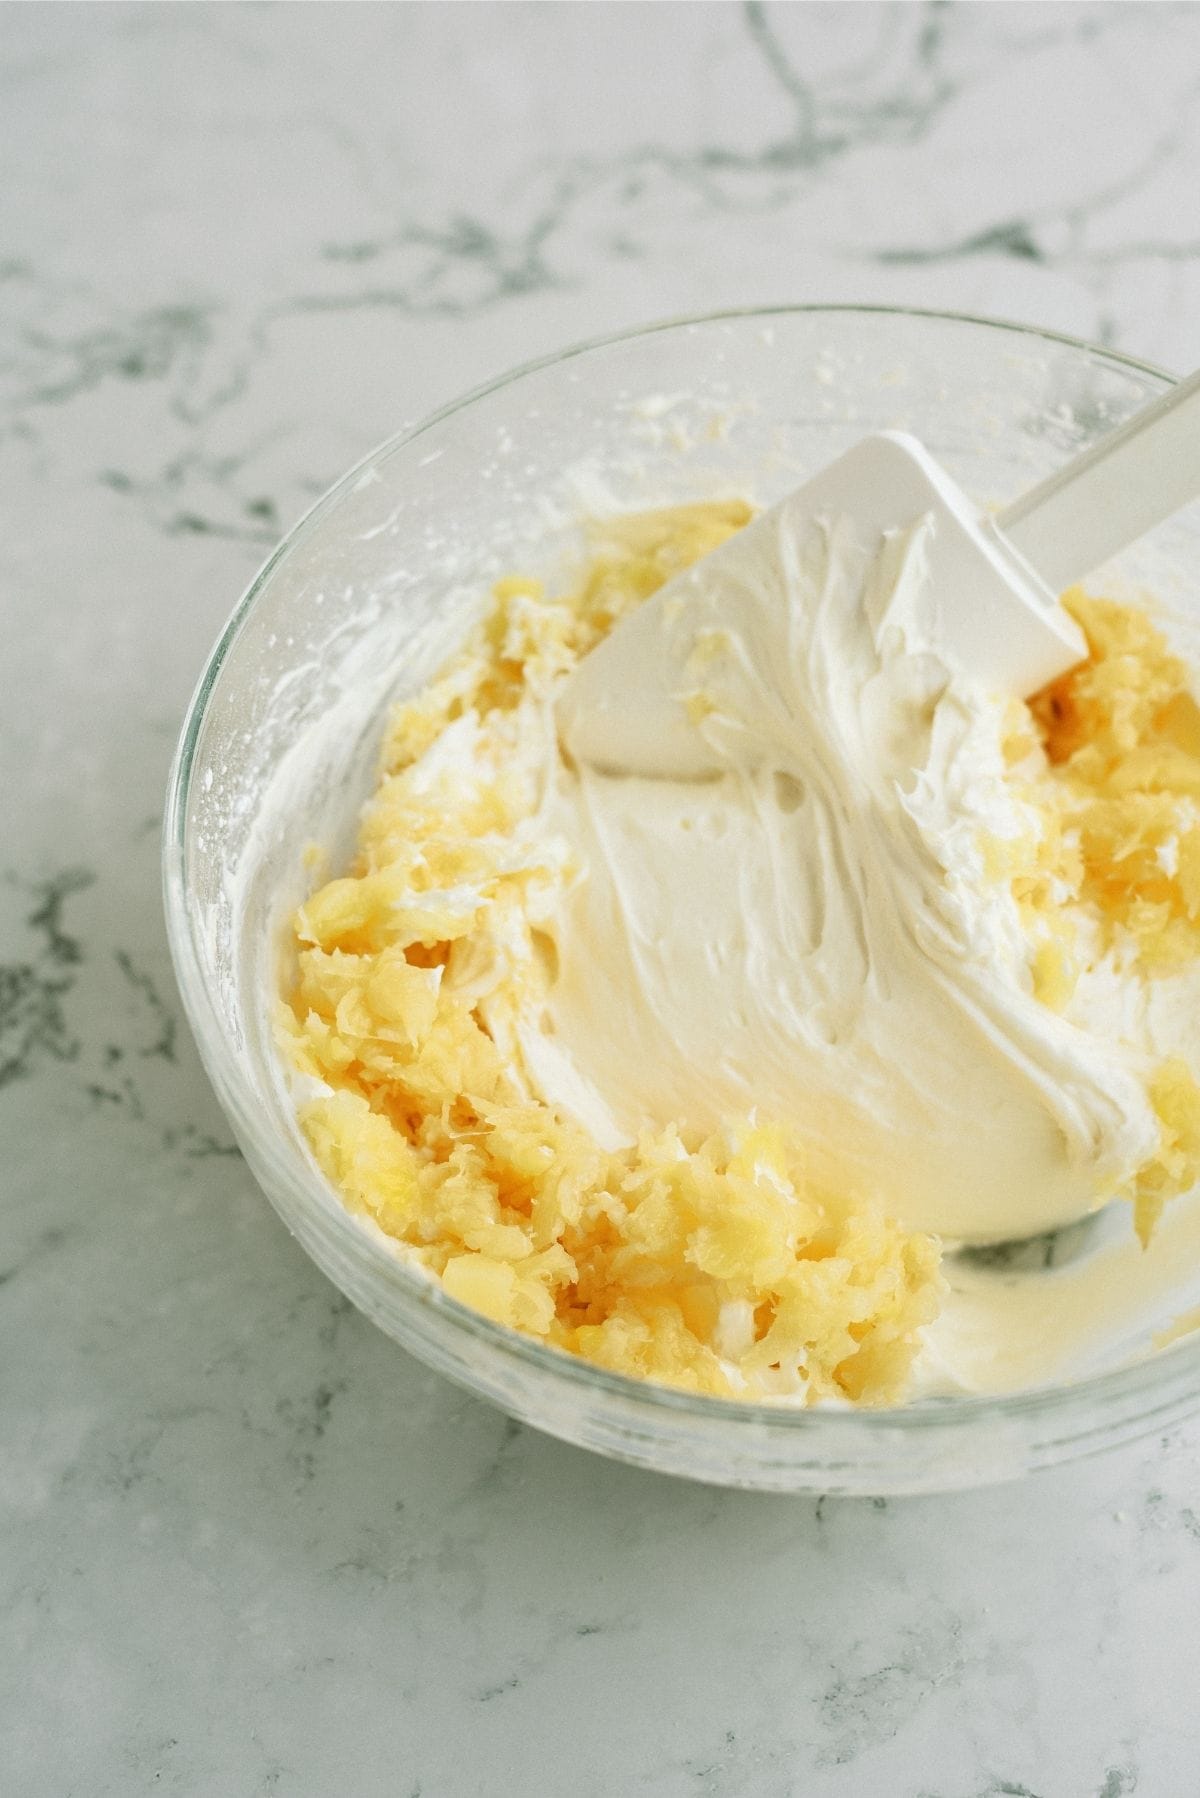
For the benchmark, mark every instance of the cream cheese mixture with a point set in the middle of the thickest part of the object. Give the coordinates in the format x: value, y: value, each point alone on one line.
x: 804, y: 919
x: 681, y: 1020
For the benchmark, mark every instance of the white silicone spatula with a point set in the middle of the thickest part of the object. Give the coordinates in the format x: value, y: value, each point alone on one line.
x: 993, y: 580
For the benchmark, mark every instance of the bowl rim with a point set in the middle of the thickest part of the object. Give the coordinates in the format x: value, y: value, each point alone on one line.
x: 937, y: 1413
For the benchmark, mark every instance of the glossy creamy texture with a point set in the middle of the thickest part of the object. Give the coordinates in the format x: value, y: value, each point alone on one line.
x: 1063, y: 1310
x: 802, y: 918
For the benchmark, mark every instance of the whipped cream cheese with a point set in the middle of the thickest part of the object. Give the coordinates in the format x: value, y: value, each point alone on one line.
x: 787, y: 901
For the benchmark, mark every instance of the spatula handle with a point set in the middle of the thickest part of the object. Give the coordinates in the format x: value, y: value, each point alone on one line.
x: 1114, y: 493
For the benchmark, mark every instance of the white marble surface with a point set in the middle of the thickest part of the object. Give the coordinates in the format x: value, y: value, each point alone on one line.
x: 249, y: 1547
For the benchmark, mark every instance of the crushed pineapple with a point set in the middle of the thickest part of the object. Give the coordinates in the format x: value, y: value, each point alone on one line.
x: 1175, y: 1168
x: 1121, y: 736
x: 1119, y: 792
x: 714, y: 1265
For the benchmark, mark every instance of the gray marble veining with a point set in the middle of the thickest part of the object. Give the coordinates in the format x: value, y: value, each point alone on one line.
x: 249, y: 1547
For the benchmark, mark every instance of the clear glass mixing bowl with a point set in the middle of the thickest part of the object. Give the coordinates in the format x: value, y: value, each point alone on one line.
x: 365, y: 598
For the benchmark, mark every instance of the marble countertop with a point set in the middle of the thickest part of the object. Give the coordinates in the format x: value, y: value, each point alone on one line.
x: 248, y: 1547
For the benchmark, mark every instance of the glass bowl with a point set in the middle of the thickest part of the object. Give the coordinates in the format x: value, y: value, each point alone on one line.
x: 366, y: 597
